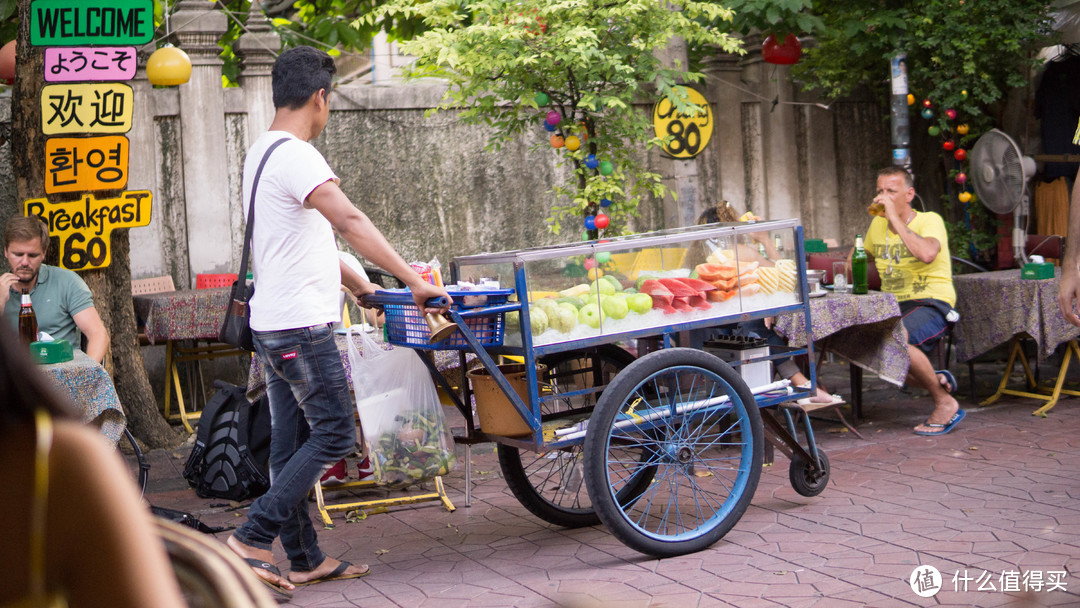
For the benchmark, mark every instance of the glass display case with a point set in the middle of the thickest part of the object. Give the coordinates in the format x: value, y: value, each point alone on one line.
x: 635, y: 283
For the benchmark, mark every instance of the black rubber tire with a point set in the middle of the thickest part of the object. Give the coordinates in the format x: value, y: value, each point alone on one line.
x: 530, y: 475
x: 708, y: 463
x: 806, y: 482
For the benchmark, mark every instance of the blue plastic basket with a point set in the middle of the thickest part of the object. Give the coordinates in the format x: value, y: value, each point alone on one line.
x: 405, y: 324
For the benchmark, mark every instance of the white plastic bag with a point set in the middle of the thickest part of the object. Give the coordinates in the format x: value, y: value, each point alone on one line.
x: 406, y: 433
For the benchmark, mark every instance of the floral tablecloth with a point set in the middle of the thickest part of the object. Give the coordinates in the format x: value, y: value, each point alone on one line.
x: 995, y: 306
x: 91, y: 389
x: 186, y: 314
x: 446, y: 361
x: 863, y: 329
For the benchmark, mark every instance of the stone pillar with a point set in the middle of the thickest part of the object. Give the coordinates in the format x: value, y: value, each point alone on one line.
x: 258, y: 49
x: 202, y: 117
x: 722, y: 76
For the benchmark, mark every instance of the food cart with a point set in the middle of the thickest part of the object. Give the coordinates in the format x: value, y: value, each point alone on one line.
x: 665, y: 448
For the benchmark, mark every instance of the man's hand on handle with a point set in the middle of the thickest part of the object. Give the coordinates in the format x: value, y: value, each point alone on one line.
x: 424, y: 291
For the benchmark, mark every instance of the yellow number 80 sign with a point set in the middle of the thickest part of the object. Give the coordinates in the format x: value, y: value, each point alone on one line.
x: 686, y: 136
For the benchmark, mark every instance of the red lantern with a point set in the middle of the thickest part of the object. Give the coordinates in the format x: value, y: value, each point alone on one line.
x: 960, y: 154
x: 785, y: 53
x: 948, y: 145
x: 7, y: 63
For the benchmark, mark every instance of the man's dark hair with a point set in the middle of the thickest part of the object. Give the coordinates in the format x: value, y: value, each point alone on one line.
x: 909, y: 181
x: 298, y: 74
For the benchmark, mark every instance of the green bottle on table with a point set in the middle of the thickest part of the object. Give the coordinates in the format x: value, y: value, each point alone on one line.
x: 858, y: 267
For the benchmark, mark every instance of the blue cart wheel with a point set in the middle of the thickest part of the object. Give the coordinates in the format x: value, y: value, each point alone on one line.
x: 700, y: 430
x: 551, y: 484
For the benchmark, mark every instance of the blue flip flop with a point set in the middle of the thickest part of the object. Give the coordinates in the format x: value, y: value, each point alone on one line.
x: 951, y: 379
x: 942, y: 429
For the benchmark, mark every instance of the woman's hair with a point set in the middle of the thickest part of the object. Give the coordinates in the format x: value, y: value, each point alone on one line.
x: 23, y: 386
x: 722, y: 212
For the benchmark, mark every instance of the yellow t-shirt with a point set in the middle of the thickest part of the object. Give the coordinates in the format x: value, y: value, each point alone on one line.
x: 909, y: 278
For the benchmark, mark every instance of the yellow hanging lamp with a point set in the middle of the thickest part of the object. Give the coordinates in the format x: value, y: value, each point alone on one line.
x: 168, y: 66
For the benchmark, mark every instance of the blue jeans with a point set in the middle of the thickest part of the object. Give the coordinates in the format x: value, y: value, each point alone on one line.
x: 312, y: 425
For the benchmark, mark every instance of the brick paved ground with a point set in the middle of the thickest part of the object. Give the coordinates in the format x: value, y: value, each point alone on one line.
x: 998, y: 495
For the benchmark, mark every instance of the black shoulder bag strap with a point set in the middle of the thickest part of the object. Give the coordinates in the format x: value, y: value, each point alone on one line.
x: 242, y: 275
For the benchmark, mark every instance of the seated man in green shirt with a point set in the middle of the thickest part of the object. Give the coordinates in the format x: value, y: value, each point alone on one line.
x: 62, y: 302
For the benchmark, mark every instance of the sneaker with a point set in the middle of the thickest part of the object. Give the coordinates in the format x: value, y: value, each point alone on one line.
x: 364, y: 469
x: 335, y: 475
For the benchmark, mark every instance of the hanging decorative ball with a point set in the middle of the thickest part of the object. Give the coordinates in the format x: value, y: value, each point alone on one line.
x: 927, y: 113
x: 605, y: 202
x: 948, y: 145
x: 961, y: 177
x: 963, y: 93
x: 549, y: 128
x: 601, y: 221
x: 584, y: 235
x: 168, y: 66
x: 926, y: 103
x: 591, y: 161
x: 933, y: 131
x: 573, y: 143
x: 589, y: 264
x: 606, y: 167
x: 583, y: 131
x: 542, y: 99
x: 962, y: 128
x: 590, y: 222
x: 604, y: 256
x: 950, y: 114
x: 7, y: 63
x: 787, y: 52
x: 960, y: 154
x: 553, y: 117
x: 557, y: 141
x: 910, y: 99
x: 964, y: 197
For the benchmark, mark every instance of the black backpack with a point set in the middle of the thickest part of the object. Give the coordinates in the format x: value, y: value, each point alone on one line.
x: 231, y: 456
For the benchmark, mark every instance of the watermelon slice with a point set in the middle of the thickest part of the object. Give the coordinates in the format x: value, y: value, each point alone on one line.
x: 699, y: 302
x: 661, y: 296
x: 677, y: 287
x: 697, y: 285
x: 668, y: 310
x: 680, y: 304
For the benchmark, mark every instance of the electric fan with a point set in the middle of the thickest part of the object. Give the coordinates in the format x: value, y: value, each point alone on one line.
x: 1000, y: 175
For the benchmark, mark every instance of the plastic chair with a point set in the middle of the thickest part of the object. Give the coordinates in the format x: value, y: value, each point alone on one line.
x: 211, y: 281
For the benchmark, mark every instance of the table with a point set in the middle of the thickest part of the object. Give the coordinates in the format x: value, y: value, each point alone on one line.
x: 187, y: 314
x: 865, y: 330
x: 999, y: 307
x: 91, y: 389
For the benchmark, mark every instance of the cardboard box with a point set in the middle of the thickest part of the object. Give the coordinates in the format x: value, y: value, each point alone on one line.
x: 1037, y: 272
x: 739, y: 349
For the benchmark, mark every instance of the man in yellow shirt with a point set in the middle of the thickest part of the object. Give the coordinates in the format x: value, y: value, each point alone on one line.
x: 911, y: 252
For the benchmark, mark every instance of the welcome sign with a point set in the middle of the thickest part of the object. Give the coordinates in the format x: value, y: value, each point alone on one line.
x: 95, y: 22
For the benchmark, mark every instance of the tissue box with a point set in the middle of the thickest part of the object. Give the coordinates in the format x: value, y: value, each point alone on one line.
x: 52, y: 352
x: 1036, y: 272
x: 815, y: 246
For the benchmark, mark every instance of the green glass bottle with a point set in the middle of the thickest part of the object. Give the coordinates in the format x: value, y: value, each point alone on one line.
x: 858, y: 267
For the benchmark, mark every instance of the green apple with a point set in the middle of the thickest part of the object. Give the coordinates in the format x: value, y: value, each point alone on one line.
x: 616, y: 283
x: 513, y: 320
x: 601, y: 286
x: 640, y: 303
x: 591, y: 315
x: 615, y: 307
x: 577, y: 303
x: 538, y: 319
x: 563, y: 318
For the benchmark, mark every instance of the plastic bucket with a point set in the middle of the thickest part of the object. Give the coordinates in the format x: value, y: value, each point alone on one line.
x: 497, y: 415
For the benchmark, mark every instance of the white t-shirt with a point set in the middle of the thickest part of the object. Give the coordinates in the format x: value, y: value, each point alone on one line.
x: 293, y: 251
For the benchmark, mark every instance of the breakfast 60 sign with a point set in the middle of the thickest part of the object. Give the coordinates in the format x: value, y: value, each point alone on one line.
x: 85, y: 226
